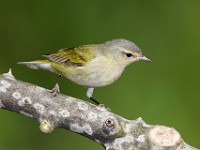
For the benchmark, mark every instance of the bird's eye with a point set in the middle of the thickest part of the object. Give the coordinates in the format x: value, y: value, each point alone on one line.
x: 129, y: 54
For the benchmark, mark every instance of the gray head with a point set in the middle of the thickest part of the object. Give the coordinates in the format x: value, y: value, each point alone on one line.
x: 124, y: 44
x: 123, y: 51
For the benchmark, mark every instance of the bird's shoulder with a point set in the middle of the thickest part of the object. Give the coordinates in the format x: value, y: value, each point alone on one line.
x: 77, y: 56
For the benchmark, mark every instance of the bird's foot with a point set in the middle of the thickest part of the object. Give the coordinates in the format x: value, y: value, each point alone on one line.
x: 89, y: 94
x: 94, y: 100
x: 59, y: 75
x: 56, y: 90
x: 104, y: 107
x: 99, y: 105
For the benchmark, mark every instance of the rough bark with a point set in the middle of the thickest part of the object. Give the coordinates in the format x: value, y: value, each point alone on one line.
x: 94, y: 122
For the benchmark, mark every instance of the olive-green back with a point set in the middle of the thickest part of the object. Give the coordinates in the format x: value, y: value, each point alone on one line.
x: 77, y: 56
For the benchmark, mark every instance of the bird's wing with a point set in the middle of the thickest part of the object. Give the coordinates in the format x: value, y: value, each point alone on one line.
x: 77, y: 56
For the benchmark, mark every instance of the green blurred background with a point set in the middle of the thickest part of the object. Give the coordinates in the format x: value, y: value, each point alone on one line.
x: 163, y: 92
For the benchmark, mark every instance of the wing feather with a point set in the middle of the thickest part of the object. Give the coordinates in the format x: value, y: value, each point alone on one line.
x: 77, y: 56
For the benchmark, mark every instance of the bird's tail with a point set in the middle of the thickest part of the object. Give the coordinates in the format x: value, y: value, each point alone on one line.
x: 38, y: 64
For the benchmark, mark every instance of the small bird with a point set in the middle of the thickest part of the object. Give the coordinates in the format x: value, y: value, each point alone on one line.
x: 92, y: 65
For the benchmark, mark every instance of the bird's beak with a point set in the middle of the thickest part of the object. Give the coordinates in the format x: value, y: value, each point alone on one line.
x: 144, y: 58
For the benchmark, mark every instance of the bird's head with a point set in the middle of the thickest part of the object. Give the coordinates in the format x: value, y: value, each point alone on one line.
x: 123, y: 51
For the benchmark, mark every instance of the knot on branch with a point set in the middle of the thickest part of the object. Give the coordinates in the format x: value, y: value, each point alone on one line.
x: 109, y: 123
x: 165, y: 137
x: 111, y: 127
x: 46, y: 126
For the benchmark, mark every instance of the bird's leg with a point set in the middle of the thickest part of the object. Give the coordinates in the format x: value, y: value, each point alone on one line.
x: 59, y: 76
x: 56, y: 90
x: 89, y: 94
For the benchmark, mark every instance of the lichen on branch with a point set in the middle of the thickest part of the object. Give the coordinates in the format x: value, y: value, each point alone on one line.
x: 97, y: 123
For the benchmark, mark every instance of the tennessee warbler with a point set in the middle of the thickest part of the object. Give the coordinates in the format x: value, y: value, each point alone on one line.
x: 92, y: 65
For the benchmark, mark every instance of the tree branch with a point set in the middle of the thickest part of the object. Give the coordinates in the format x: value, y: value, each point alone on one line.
x: 94, y: 122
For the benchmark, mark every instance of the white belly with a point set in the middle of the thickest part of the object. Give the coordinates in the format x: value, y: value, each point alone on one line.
x: 96, y: 73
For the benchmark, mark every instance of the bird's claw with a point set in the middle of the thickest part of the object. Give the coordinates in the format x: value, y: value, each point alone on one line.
x: 56, y: 90
x: 103, y: 106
